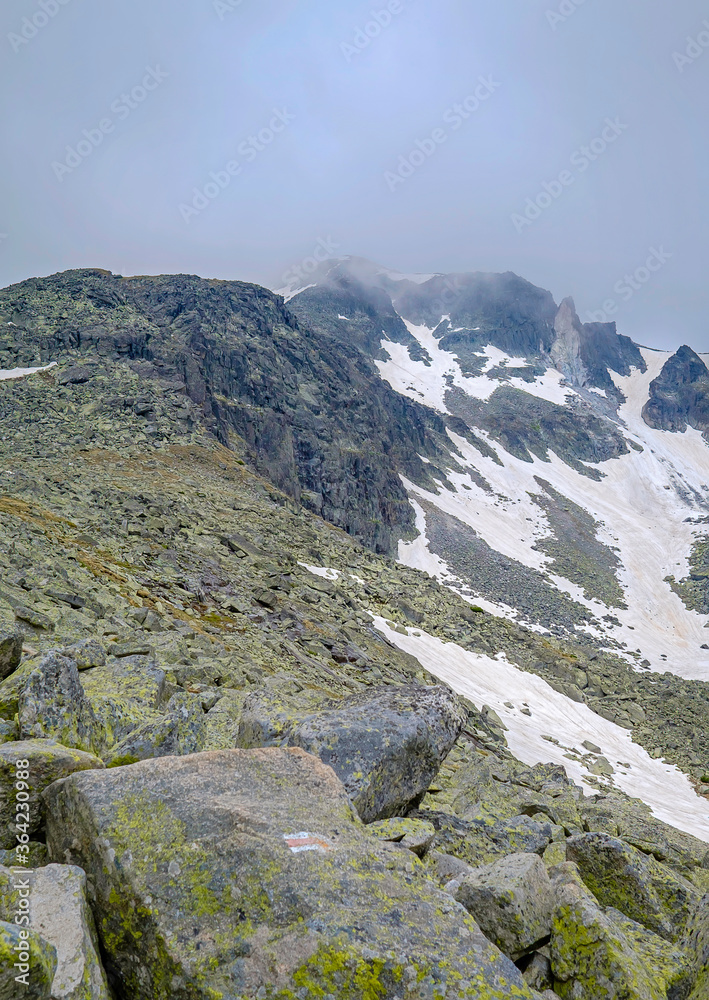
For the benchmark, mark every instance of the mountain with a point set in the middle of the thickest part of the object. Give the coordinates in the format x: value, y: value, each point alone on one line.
x: 251, y: 546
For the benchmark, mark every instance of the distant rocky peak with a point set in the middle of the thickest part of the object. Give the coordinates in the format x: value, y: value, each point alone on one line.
x: 566, y: 349
x: 679, y: 396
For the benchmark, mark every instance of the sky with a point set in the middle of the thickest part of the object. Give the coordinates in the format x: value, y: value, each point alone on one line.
x: 564, y: 140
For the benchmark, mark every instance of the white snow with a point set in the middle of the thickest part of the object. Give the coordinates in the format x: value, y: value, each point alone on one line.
x: 289, y: 293
x: 493, y: 682
x: 640, y: 510
x: 348, y: 318
x: 326, y: 572
x: 6, y: 374
x: 429, y: 383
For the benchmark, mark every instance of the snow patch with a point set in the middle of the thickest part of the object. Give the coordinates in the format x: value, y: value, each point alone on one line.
x: 484, y: 680
x: 6, y: 373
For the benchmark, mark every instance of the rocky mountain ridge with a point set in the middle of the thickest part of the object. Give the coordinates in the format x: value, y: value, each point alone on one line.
x: 236, y: 736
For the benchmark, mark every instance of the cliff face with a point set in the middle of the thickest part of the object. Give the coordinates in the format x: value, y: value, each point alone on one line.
x: 679, y: 396
x: 586, y: 353
x: 319, y: 421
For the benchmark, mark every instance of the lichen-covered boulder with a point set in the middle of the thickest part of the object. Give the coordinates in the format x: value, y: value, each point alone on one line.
x: 59, y: 912
x: 48, y: 761
x: 19, y: 979
x: 597, y: 953
x: 643, y: 889
x: 11, y: 639
x: 512, y: 902
x: 247, y: 874
x: 633, y: 822
x: 183, y: 730
x: 53, y: 704
x: 696, y: 945
x: 415, y: 835
x: 386, y: 745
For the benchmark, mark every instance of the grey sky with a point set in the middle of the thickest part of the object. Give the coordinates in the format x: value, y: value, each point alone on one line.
x: 334, y: 123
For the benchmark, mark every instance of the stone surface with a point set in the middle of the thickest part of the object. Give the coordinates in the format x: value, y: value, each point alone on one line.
x: 512, y: 902
x: 48, y: 762
x: 243, y: 871
x: 643, y: 889
x: 181, y: 731
x: 414, y: 834
x: 53, y: 705
x: 37, y: 978
x: 604, y: 954
x: 11, y: 639
x: 59, y: 912
x: 386, y: 746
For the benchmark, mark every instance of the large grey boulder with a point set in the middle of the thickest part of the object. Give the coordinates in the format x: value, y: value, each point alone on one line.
x: 246, y: 874
x: 59, y: 913
x: 183, y: 730
x: 643, y: 889
x: 696, y: 945
x: 11, y: 639
x: 385, y: 745
x: 53, y: 704
x: 512, y: 902
x: 20, y: 980
x: 601, y: 953
x: 48, y: 761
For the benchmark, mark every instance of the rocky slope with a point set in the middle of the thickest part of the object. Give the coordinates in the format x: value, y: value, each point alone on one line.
x: 232, y: 710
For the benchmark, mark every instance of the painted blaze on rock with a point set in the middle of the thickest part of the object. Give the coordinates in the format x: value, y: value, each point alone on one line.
x: 200, y: 894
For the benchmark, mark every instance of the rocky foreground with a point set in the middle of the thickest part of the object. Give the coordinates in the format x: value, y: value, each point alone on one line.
x: 238, y: 788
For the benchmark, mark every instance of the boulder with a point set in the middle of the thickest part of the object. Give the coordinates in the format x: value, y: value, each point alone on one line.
x: 643, y: 889
x: 60, y: 914
x: 414, y: 834
x: 86, y: 654
x: 696, y: 945
x: 48, y: 761
x: 247, y: 874
x: 597, y: 953
x: 385, y: 745
x: 512, y: 902
x: 182, y: 731
x: 11, y: 639
x: 35, y: 975
x: 53, y: 704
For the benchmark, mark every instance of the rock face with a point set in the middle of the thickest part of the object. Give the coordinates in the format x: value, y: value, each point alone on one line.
x: 643, y: 889
x: 512, y: 901
x: 53, y: 705
x: 244, y: 874
x: 48, y: 762
x: 59, y: 913
x: 586, y: 353
x: 679, y: 396
x: 604, y: 954
x: 37, y: 973
x: 385, y: 745
x: 11, y: 639
x: 319, y: 421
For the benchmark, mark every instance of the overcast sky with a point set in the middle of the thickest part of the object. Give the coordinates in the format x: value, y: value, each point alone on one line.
x: 561, y: 139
